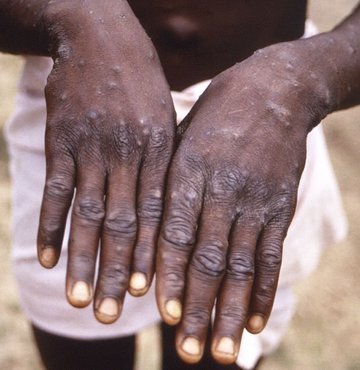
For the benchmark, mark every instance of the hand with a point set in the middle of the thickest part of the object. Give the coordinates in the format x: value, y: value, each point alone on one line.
x: 231, y: 195
x: 109, y: 135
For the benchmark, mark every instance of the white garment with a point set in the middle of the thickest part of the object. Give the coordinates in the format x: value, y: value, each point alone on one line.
x: 319, y: 221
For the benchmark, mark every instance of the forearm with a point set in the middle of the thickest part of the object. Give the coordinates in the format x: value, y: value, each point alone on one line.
x: 322, y: 71
x: 339, y: 57
x: 22, y: 28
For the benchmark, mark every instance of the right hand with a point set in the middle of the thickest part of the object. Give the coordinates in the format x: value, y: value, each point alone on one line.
x: 109, y: 135
x: 231, y: 195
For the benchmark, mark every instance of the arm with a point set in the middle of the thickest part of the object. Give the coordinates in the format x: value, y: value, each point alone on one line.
x: 341, y: 49
x: 22, y: 27
x: 233, y: 183
x: 109, y: 135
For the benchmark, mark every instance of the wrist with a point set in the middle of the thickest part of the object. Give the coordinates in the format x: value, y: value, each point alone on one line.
x: 87, y: 24
x: 293, y: 75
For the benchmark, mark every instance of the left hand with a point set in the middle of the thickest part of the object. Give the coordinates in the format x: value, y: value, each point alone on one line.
x: 231, y: 195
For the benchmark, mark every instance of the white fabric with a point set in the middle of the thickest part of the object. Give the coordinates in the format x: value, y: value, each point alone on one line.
x: 319, y: 221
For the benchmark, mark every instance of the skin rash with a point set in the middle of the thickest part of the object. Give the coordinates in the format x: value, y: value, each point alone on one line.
x: 231, y: 170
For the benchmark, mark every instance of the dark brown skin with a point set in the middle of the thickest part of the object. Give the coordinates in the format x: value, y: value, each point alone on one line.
x: 232, y: 184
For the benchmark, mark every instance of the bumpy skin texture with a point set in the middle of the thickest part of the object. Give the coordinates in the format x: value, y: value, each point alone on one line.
x: 231, y: 195
x: 231, y: 190
x: 109, y: 134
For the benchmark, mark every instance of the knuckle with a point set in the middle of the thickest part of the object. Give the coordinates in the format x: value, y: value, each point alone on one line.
x: 264, y: 293
x: 123, y: 141
x: 144, y: 253
x: 90, y: 209
x: 240, y: 267
x: 195, y: 317
x: 284, y: 205
x: 233, y: 315
x: 57, y: 188
x: 270, y: 258
x: 150, y: 209
x: 62, y: 139
x: 82, y: 258
x: 178, y: 232
x: 123, y: 223
x: 259, y: 190
x: 210, y: 261
x: 158, y: 139
x: 115, y: 276
x: 188, y: 164
x: 176, y: 280
x: 227, y: 182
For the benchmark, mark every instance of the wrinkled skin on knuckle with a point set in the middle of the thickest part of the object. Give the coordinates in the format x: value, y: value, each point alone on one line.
x: 231, y: 316
x: 267, y: 202
x: 90, y: 210
x: 61, y: 137
x: 150, y: 210
x: 123, y: 141
x: 144, y: 253
x: 270, y: 258
x: 227, y: 184
x: 210, y: 261
x: 160, y: 140
x: 175, y: 278
x: 178, y: 232
x: 258, y: 190
x: 189, y: 165
x: 158, y: 148
x: 195, y: 317
x: 265, y: 293
x: 114, y: 278
x: 80, y: 259
x: 121, y: 224
x: 240, y: 267
x: 283, y: 206
x: 57, y: 188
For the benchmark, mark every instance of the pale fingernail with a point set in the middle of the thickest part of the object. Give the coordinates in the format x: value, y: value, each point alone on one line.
x: 80, y: 294
x: 138, y: 281
x: 191, y: 346
x: 108, y: 310
x: 226, y: 345
x: 48, y: 257
x: 173, y: 308
x: 256, y: 323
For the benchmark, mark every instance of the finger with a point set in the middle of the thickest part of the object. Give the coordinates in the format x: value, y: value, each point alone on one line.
x: 206, y: 270
x: 177, y: 237
x: 86, y: 222
x: 57, y: 197
x: 118, y: 238
x: 267, y: 268
x: 149, y: 209
x: 233, y: 302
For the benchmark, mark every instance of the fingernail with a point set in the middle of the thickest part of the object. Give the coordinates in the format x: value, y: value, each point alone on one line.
x: 256, y: 323
x: 138, y: 281
x: 80, y: 294
x: 226, y: 345
x: 191, y: 346
x: 48, y: 257
x: 173, y: 308
x: 108, y: 310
